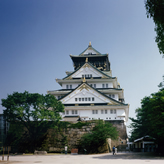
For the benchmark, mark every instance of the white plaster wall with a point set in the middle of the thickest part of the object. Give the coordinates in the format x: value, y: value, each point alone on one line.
x: 74, y: 85
x: 98, y: 85
x: 120, y: 112
x: 98, y: 98
x: 86, y: 70
x: 90, y: 51
x: 116, y: 96
x: 87, y: 114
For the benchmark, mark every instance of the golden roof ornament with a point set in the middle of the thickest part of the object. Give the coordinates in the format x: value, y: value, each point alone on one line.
x: 84, y: 80
x: 86, y: 60
x: 90, y: 44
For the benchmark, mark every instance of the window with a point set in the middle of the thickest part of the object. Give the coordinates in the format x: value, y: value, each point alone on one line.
x: 94, y: 111
x: 70, y: 86
x: 91, y: 85
x: 102, y: 111
x: 90, y: 75
x: 110, y: 96
x: 113, y: 96
x: 75, y: 111
x: 94, y: 85
x: 105, y: 111
x: 103, y: 85
x: 85, y: 99
x: 72, y: 111
x: 106, y: 85
x: 67, y: 111
x: 111, y: 111
x: 82, y: 76
x: 58, y: 97
x: 67, y: 87
x: 114, y: 111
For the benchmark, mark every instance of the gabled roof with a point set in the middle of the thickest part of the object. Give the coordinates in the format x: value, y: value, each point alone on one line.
x: 90, y: 49
x: 107, y: 76
x: 84, y: 85
x: 90, y: 52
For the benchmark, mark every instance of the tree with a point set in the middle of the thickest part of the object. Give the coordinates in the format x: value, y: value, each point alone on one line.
x: 161, y: 84
x: 150, y: 119
x: 155, y: 9
x: 97, y: 138
x: 35, y: 112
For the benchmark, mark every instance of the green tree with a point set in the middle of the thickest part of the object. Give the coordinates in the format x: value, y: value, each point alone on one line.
x: 155, y: 9
x: 161, y: 84
x: 35, y: 112
x: 97, y: 137
x: 150, y: 119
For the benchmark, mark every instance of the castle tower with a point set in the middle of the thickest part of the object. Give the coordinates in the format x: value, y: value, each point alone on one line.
x: 90, y: 92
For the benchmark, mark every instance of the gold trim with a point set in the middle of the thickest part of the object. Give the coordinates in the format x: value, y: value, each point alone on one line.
x: 84, y: 86
x: 84, y: 80
x: 86, y: 60
x: 103, y: 77
x: 68, y: 78
x: 86, y: 65
x: 76, y: 104
x: 92, y: 104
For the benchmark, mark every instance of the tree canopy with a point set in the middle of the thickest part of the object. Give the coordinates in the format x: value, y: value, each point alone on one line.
x: 92, y: 141
x: 155, y: 9
x: 33, y: 111
x: 150, y: 118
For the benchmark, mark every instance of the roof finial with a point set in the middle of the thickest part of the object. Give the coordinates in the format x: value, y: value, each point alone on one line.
x: 84, y: 80
x: 90, y: 44
x: 86, y: 60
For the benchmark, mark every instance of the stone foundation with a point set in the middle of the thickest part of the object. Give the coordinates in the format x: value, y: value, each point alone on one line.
x: 56, y: 140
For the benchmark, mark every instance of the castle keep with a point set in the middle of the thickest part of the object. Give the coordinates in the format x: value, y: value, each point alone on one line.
x: 90, y: 92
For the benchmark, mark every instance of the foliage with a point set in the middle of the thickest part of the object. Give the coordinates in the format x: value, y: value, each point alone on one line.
x: 150, y: 118
x: 155, y: 9
x: 161, y: 84
x: 35, y: 112
x: 97, y: 137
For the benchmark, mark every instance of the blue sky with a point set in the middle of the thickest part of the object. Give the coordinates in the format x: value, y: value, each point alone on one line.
x: 37, y: 36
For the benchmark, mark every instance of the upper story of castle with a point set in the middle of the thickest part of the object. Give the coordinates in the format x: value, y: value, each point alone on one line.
x: 98, y: 60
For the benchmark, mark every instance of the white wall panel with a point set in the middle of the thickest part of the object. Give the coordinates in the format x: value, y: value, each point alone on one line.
x: 120, y: 112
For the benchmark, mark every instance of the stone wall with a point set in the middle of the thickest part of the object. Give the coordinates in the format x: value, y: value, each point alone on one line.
x: 119, y: 124
x: 56, y: 140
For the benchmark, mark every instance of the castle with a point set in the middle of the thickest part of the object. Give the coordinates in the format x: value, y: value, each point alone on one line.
x: 90, y: 92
